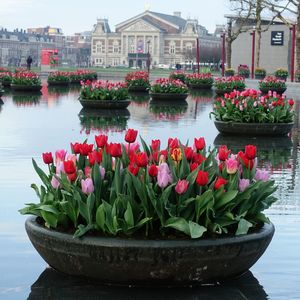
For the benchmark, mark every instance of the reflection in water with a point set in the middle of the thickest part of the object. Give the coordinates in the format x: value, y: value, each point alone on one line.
x: 140, y: 99
x: 201, y: 95
x: 103, y: 120
x: 166, y: 110
x: 28, y: 99
x: 55, y: 285
x: 58, y: 90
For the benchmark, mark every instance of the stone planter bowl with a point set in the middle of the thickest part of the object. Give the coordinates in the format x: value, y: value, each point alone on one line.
x: 141, y: 89
x: 104, y: 104
x: 149, y: 262
x: 278, y: 91
x: 200, y: 86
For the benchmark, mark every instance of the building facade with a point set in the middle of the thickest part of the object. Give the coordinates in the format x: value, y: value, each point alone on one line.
x: 169, y: 39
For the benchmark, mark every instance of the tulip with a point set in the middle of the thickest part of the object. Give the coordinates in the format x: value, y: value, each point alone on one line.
x: 102, y: 172
x: 87, y: 171
x: 248, y: 163
x: 115, y: 149
x: 202, y: 178
x: 141, y: 159
x: 193, y: 166
x: 153, y: 170
x: 133, y: 169
x: 220, y: 182
x: 250, y: 151
x: 188, y: 152
x: 60, y: 155
x: 47, y: 158
x: 60, y: 168
x: 291, y: 102
x: 199, y: 143
x: 72, y: 177
x: 55, y: 183
x: 69, y: 167
x: 132, y: 148
x: 181, y: 186
x: 155, y: 145
x: 173, y: 143
x: 231, y: 165
x: 85, y: 149
x: 223, y: 152
x: 198, y: 158
x: 76, y: 148
x: 131, y: 135
x: 101, y: 140
x: 176, y: 154
x: 243, y: 184
x: 164, y: 176
x: 87, y: 186
x: 95, y: 156
x: 72, y: 157
x: 261, y: 175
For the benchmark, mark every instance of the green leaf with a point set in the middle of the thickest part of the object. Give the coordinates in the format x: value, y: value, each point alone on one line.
x: 196, y: 230
x: 82, y: 230
x: 49, y: 208
x: 179, y: 224
x: 226, y: 198
x: 70, y: 211
x: 202, y: 203
x: 90, y: 203
x: 128, y: 215
x: 34, y: 186
x: 50, y: 218
x: 100, y: 217
x: 97, y: 181
x: 243, y: 227
x: 145, y: 146
x: 42, y: 175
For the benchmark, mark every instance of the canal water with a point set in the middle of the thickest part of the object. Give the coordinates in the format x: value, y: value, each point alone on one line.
x: 32, y: 124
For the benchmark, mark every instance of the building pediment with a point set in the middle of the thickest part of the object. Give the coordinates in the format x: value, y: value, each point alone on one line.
x: 140, y: 26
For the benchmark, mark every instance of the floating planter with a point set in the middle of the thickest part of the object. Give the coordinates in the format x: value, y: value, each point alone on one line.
x: 58, y: 78
x: 26, y: 81
x: 225, y: 85
x: 200, y: 81
x: 272, y: 84
x: 137, y: 81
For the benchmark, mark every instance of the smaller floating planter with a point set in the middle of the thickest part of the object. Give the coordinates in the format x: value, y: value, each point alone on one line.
x: 225, y: 85
x: 167, y: 89
x: 26, y: 81
x: 200, y: 81
x: 178, y: 75
x: 137, y: 81
x: 272, y: 84
x: 248, y: 113
x: 104, y: 95
x: 58, y: 78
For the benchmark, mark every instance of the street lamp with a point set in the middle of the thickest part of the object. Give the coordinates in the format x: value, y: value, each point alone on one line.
x: 223, y: 53
x: 148, y: 58
x: 293, y: 29
x: 253, y: 53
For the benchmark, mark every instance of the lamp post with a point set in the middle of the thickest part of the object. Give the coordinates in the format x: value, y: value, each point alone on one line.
x: 198, y: 55
x: 293, y: 29
x: 223, y: 54
x: 253, y: 53
x: 148, y: 58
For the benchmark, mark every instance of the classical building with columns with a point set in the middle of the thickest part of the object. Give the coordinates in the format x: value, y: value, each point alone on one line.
x: 169, y: 39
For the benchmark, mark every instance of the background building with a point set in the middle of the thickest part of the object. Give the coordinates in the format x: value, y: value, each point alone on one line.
x: 169, y: 39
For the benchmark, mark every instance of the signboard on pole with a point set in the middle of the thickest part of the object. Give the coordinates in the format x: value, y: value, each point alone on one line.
x: 277, y: 38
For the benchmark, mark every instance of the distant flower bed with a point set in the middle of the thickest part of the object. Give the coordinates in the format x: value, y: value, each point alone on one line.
x: 271, y: 83
x: 59, y: 77
x: 200, y: 79
x: 4, y: 70
x: 229, y: 72
x: 250, y: 107
x: 178, y: 75
x: 165, y: 86
x: 260, y: 72
x: 230, y: 83
x: 243, y: 70
x: 281, y: 72
x: 137, y: 79
x: 103, y: 90
x: 26, y: 78
x: 5, y: 78
x: 82, y: 75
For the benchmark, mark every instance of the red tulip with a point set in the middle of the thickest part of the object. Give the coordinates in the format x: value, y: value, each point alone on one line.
x: 188, y: 152
x: 47, y: 158
x: 164, y: 153
x: 291, y: 102
x: 101, y: 140
x: 115, y: 150
x: 202, y: 178
x: 198, y: 158
x: 193, y: 166
x: 76, y: 148
x: 133, y: 169
x: 85, y: 149
x: 199, y: 143
x: 153, y: 170
x: 95, y: 156
x: 72, y: 177
x: 69, y: 167
x: 155, y: 144
x: 250, y: 151
x: 141, y: 159
x: 173, y: 143
x: 223, y: 152
x: 130, y: 136
x: 220, y: 182
x: 181, y: 186
x: 248, y: 163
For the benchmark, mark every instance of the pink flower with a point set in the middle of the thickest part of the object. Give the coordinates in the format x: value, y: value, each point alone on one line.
x: 60, y: 167
x: 231, y: 165
x: 102, y: 172
x: 262, y: 175
x: 243, y: 184
x: 134, y: 147
x: 72, y: 157
x: 181, y: 186
x: 164, y: 176
x: 60, y: 155
x: 87, y: 186
x: 55, y: 183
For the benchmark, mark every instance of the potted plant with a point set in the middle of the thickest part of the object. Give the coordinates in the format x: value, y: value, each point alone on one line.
x: 82, y: 75
x: 200, y: 81
x: 249, y: 113
x: 271, y: 83
x: 104, y: 94
x: 5, y: 78
x: 125, y: 214
x: 281, y: 74
x: 228, y: 84
x: 178, y: 75
x: 26, y: 81
x: 58, y: 78
x: 229, y: 72
x: 260, y: 73
x: 167, y: 89
x: 243, y: 70
x: 137, y: 81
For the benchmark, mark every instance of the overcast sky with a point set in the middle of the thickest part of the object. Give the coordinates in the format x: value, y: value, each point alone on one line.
x: 80, y: 15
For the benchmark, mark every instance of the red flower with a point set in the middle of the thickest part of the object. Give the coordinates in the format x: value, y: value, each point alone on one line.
x: 76, y: 147
x: 155, y: 144
x: 72, y: 177
x: 130, y: 136
x: 69, y: 167
x: 193, y: 166
x: 188, y: 152
x: 223, y: 152
x: 250, y: 151
x: 198, y: 158
x: 85, y: 149
x: 248, y: 163
x: 101, y: 140
x: 164, y: 153
x: 154, y: 156
x: 153, y: 170
x: 202, y: 178
x: 173, y: 143
x: 199, y: 143
x: 47, y: 158
x: 181, y: 186
x: 220, y: 182
x: 291, y: 102
x: 141, y: 159
x: 115, y: 150
x: 95, y: 156
x: 133, y: 169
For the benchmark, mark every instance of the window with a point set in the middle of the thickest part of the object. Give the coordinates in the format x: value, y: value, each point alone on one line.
x: 172, y: 48
x: 132, y: 48
x: 99, y: 47
x: 189, y: 47
x: 116, y: 47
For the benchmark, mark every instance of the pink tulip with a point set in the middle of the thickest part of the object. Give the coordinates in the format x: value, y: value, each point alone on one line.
x: 87, y: 186
x: 243, y: 184
x: 60, y: 155
x: 60, y: 168
x: 231, y: 165
x: 102, y: 172
x: 87, y: 171
x: 55, y: 183
x: 72, y: 157
x: 164, y: 176
x: 262, y: 175
x: 134, y: 147
x: 181, y: 186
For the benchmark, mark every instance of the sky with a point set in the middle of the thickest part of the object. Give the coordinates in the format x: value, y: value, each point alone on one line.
x: 79, y: 15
